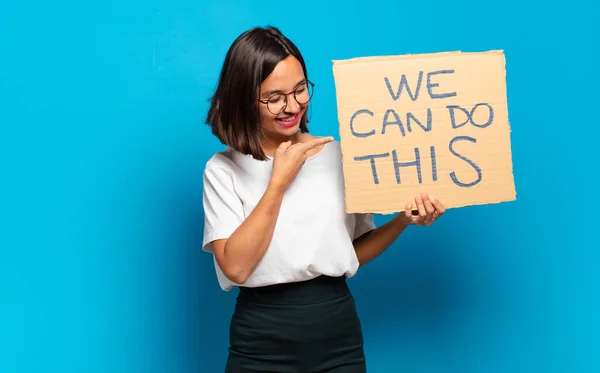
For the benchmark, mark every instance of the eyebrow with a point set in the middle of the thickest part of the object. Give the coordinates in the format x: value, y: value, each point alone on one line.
x: 274, y: 91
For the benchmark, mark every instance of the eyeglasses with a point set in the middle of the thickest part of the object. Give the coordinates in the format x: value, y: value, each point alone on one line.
x: 277, y: 103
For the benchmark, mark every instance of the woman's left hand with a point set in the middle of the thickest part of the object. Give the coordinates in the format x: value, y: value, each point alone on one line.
x: 429, y: 210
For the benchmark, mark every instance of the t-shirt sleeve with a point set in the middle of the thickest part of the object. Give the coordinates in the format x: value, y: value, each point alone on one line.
x: 223, y: 210
x: 364, y: 224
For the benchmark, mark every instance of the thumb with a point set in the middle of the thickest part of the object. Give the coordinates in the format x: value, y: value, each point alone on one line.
x: 284, y: 145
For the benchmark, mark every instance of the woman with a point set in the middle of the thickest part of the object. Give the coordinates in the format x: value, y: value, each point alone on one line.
x: 275, y: 218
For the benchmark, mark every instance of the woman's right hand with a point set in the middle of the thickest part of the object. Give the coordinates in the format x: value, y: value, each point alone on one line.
x: 289, y: 158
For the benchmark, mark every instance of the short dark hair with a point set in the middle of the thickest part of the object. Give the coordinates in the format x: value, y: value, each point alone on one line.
x: 233, y: 114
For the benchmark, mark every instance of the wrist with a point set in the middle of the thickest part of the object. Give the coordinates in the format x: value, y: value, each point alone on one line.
x: 400, y: 220
x: 275, y: 187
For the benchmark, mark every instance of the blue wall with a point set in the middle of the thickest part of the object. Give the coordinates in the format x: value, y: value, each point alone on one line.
x: 103, y: 147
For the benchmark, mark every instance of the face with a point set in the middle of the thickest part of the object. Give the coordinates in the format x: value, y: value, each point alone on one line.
x: 287, y: 77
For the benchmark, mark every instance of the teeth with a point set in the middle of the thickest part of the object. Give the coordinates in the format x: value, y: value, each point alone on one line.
x: 287, y: 119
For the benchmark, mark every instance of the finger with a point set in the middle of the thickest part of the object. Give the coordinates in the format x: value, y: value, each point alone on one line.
x: 439, y: 207
x: 408, y: 209
x: 313, y: 143
x: 428, y: 208
x: 421, y: 208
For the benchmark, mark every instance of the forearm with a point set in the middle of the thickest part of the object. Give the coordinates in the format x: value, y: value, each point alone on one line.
x: 247, y: 245
x: 375, y: 242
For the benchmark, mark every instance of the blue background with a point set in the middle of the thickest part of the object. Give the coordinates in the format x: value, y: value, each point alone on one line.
x: 103, y: 147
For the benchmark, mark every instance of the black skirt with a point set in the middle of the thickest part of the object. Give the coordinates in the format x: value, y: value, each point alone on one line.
x: 302, y: 327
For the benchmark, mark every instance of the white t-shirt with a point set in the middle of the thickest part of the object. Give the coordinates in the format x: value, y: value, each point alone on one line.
x: 313, y: 235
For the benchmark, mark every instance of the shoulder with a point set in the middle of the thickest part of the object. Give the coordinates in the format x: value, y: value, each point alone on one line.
x: 228, y: 160
x: 335, y: 147
x: 222, y: 159
x: 234, y: 165
x: 333, y: 151
x: 220, y: 165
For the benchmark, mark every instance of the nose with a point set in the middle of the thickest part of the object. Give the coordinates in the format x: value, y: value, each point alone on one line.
x: 292, y: 105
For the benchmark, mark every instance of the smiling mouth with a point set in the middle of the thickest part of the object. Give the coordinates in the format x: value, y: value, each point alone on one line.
x: 289, y: 120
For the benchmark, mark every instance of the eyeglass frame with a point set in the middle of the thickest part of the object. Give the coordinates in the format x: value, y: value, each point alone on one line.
x: 285, y: 95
